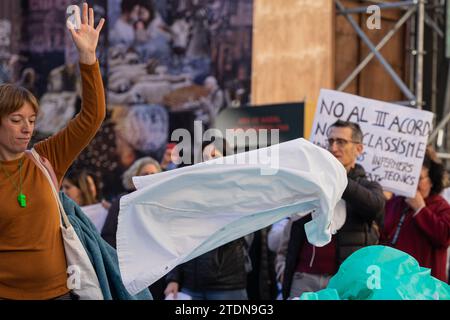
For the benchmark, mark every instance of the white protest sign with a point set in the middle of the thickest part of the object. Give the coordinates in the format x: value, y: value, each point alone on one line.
x: 394, y: 137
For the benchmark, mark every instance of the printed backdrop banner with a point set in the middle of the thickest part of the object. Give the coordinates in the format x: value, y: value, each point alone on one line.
x: 394, y: 137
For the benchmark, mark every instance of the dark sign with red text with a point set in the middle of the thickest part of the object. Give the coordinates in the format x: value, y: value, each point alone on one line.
x: 284, y: 120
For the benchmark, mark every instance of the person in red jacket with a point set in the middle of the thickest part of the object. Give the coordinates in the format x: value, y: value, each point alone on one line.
x: 420, y: 226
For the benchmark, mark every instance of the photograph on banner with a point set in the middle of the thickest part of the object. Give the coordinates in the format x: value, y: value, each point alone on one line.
x: 394, y: 137
x: 183, y: 55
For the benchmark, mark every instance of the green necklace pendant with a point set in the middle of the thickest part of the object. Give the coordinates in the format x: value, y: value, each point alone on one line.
x: 22, y: 200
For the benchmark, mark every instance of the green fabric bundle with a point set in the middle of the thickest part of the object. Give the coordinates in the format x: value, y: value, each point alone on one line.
x: 381, y: 273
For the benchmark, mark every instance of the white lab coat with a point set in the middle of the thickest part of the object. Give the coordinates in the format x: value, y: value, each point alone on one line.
x: 178, y: 215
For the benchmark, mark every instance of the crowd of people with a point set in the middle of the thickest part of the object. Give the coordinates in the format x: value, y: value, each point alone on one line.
x: 276, y: 262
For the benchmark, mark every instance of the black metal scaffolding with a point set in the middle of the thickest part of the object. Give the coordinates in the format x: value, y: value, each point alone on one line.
x: 418, y: 14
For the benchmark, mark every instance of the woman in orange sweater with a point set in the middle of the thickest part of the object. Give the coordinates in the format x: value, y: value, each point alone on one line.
x: 32, y: 259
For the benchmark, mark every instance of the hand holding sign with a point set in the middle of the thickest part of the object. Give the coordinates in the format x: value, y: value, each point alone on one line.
x: 417, y: 202
x: 86, y: 36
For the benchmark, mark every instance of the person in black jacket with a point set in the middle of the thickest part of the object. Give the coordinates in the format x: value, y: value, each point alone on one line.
x: 216, y: 275
x: 301, y: 267
x: 261, y: 280
x: 219, y: 274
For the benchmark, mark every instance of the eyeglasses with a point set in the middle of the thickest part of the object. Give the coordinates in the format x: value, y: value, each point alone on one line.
x: 339, y: 142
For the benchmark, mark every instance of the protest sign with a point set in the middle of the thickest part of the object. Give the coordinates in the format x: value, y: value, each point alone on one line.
x: 394, y: 137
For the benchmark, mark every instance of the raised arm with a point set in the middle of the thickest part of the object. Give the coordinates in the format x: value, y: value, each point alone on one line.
x: 62, y: 148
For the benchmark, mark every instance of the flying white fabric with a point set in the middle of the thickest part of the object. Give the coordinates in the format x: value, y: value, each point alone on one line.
x: 180, y: 214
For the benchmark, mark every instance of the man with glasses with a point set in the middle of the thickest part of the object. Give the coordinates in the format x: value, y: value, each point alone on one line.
x: 305, y: 268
